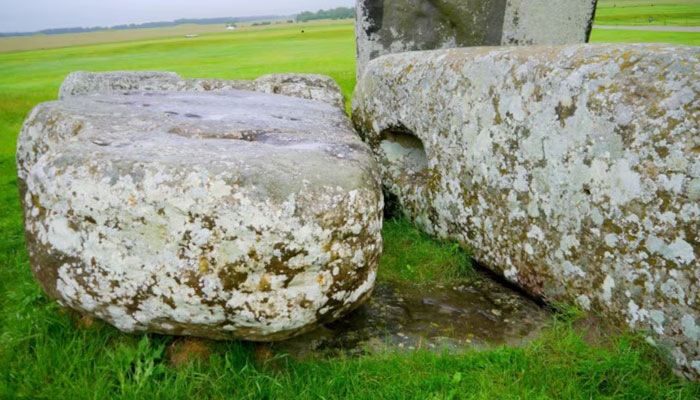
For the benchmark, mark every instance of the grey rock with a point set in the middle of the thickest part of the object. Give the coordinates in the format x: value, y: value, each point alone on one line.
x: 476, y: 313
x: 229, y: 215
x: 571, y: 170
x: 81, y: 82
x: 305, y: 86
x: 392, y: 26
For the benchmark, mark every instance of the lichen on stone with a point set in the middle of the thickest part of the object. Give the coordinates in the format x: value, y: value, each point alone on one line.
x: 570, y: 170
x: 223, y: 215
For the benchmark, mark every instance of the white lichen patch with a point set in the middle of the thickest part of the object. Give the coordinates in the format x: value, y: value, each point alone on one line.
x: 571, y: 170
x: 224, y: 215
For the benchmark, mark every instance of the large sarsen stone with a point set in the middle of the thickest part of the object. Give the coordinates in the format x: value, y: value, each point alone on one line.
x: 392, y: 26
x: 223, y: 215
x: 305, y: 86
x: 574, y: 171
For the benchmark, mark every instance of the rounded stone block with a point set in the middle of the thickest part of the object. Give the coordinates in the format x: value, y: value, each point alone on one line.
x: 574, y: 171
x: 235, y: 215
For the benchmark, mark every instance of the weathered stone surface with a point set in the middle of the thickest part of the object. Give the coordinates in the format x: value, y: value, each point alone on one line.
x: 305, y: 86
x: 475, y: 313
x: 574, y: 171
x: 223, y: 215
x: 392, y: 26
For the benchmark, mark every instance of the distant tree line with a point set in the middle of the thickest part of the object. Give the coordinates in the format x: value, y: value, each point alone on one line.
x: 335, y: 13
x: 201, y: 21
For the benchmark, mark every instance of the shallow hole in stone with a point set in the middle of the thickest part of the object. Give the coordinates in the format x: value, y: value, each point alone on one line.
x: 100, y: 142
x: 404, y: 150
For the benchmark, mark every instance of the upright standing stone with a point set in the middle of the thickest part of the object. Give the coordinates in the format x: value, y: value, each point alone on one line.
x: 391, y: 26
x: 573, y: 170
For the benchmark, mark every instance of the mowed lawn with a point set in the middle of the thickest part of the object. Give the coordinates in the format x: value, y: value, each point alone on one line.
x: 48, y: 353
x: 639, y: 36
x: 638, y: 12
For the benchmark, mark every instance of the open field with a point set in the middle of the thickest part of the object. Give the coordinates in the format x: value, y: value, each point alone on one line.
x: 47, y: 353
x: 638, y: 12
x: 40, y: 42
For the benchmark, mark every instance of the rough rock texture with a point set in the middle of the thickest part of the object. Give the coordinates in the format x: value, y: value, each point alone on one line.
x: 223, y: 215
x: 574, y: 171
x: 474, y: 313
x: 393, y: 26
x: 305, y: 86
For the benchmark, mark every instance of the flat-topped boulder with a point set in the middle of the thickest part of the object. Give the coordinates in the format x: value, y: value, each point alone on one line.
x: 393, y: 26
x: 305, y: 86
x: 574, y: 171
x: 222, y: 215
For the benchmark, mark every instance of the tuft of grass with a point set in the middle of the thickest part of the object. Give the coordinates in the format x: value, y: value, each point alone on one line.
x: 411, y: 255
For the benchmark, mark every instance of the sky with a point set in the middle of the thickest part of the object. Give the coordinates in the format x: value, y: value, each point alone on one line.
x: 34, y: 15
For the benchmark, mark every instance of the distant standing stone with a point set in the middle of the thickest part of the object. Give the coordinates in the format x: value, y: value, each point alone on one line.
x: 393, y: 26
x: 222, y: 215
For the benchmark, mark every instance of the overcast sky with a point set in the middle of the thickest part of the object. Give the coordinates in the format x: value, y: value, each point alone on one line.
x: 33, y: 15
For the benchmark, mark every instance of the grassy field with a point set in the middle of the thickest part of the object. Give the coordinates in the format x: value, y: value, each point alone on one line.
x: 616, y: 35
x: 41, y: 42
x: 47, y: 353
x: 638, y: 12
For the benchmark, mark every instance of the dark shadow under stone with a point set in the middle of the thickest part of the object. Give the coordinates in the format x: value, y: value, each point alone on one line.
x: 474, y: 313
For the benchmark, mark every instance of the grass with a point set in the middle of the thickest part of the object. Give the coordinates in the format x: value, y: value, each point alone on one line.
x: 411, y: 255
x: 67, y: 363
x: 638, y: 12
x: 636, y: 36
x: 37, y: 42
x: 47, y: 353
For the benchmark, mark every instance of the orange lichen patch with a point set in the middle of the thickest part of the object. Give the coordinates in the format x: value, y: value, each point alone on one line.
x: 264, y: 284
x: 626, y: 56
x: 203, y: 265
x: 184, y: 351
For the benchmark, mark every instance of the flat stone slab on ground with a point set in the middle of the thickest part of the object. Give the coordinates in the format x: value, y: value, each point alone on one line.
x: 476, y: 312
x: 222, y: 215
x: 573, y: 170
